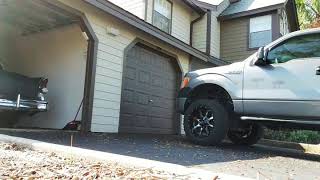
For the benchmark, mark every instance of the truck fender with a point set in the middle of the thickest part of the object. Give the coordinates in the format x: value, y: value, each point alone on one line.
x: 234, y: 89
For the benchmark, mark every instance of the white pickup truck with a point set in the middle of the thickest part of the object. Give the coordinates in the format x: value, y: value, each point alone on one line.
x: 279, y: 85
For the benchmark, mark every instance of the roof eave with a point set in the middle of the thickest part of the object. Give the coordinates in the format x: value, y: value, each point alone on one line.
x: 148, y: 28
x: 194, y: 6
x: 250, y: 12
x: 205, y: 5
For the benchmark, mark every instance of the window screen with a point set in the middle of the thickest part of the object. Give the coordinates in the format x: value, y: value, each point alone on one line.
x: 260, y: 31
x: 162, y: 15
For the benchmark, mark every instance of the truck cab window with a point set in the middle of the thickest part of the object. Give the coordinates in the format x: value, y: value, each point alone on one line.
x: 306, y: 46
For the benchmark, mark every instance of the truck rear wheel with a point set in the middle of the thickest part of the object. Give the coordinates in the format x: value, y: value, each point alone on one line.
x: 206, y: 122
x: 248, y: 136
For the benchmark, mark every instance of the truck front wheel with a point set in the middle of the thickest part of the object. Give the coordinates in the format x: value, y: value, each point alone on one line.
x: 248, y: 136
x: 206, y: 122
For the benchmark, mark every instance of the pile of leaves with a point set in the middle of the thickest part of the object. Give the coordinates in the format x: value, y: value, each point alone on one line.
x: 18, y: 162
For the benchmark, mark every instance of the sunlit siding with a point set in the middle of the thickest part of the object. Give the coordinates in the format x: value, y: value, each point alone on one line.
x: 215, y: 29
x: 181, y: 19
x: 136, y: 7
x: 199, y: 34
x: 108, y: 82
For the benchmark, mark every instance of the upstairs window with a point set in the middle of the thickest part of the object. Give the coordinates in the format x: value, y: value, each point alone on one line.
x: 260, y: 31
x: 162, y: 15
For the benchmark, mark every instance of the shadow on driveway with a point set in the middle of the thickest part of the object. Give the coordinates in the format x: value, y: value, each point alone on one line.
x: 171, y: 149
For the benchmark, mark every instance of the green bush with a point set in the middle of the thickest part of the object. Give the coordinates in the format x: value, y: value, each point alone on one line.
x: 300, y: 136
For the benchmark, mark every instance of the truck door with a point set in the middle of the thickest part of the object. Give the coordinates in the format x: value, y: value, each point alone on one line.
x: 290, y: 84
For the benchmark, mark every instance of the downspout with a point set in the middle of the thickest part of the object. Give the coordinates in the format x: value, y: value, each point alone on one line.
x: 208, y: 47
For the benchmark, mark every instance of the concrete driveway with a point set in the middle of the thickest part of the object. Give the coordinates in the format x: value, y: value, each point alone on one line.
x: 270, y: 163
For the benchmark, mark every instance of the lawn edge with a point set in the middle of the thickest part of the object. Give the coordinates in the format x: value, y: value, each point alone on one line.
x: 301, y: 147
x: 115, y: 158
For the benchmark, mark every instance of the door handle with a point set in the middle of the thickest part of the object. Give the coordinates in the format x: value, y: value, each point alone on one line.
x: 318, y: 70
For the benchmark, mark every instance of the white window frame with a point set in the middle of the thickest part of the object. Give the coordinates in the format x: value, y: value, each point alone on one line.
x: 260, y: 24
x: 164, y: 12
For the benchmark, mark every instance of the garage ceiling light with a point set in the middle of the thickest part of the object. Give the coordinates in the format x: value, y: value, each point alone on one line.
x: 84, y: 34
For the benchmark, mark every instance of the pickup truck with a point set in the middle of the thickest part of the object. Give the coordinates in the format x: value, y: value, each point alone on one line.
x: 21, y: 93
x: 278, y: 86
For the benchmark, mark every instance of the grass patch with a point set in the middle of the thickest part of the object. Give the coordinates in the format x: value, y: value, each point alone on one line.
x: 299, y: 136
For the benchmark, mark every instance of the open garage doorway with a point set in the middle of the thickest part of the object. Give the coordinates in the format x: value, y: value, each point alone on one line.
x: 41, y: 39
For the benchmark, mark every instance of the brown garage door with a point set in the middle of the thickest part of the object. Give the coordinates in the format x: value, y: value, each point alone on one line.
x: 148, y: 93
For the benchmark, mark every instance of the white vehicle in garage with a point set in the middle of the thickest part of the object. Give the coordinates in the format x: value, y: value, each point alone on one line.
x: 279, y: 85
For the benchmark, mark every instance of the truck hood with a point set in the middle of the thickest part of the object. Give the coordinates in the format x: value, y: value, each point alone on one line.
x: 235, y: 68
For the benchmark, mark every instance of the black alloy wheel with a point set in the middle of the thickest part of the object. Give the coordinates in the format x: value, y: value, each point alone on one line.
x: 206, y: 122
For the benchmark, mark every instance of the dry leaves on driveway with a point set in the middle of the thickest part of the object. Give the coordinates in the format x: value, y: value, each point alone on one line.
x: 18, y: 162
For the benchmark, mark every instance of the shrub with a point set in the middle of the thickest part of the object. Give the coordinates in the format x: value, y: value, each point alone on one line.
x: 299, y: 136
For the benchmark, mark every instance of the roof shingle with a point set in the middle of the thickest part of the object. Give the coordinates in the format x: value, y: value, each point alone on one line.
x: 248, y: 5
x: 212, y: 2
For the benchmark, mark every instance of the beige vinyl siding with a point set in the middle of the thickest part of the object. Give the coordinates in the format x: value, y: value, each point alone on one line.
x: 215, y: 36
x: 215, y: 29
x: 136, y: 7
x: 108, y: 82
x: 199, y: 34
x: 234, y: 40
x: 149, y: 11
x: 181, y: 20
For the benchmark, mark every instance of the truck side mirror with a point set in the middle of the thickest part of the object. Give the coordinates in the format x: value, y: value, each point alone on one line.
x: 261, y: 59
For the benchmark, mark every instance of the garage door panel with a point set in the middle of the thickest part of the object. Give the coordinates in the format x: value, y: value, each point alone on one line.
x: 142, y: 98
x: 133, y: 108
x: 126, y: 120
x: 152, y: 79
x: 144, y: 77
x: 128, y: 96
x: 130, y: 72
x: 162, y: 82
x: 169, y: 106
x: 161, y: 123
x: 165, y: 93
x: 140, y: 121
x: 161, y: 112
x: 157, y: 81
x: 157, y: 62
x: 162, y: 102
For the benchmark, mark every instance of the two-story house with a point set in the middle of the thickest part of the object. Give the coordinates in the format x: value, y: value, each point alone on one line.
x: 247, y: 25
x: 137, y: 52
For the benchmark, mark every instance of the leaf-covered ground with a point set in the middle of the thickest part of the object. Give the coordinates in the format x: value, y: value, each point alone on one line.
x: 18, y: 162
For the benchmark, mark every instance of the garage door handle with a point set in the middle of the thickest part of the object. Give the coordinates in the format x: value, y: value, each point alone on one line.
x: 150, y: 100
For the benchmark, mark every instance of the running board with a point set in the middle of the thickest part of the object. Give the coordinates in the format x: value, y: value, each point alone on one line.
x: 297, y: 121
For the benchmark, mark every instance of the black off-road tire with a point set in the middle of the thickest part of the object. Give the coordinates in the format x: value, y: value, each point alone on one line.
x: 221, y: 122
x: 249, y: 139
